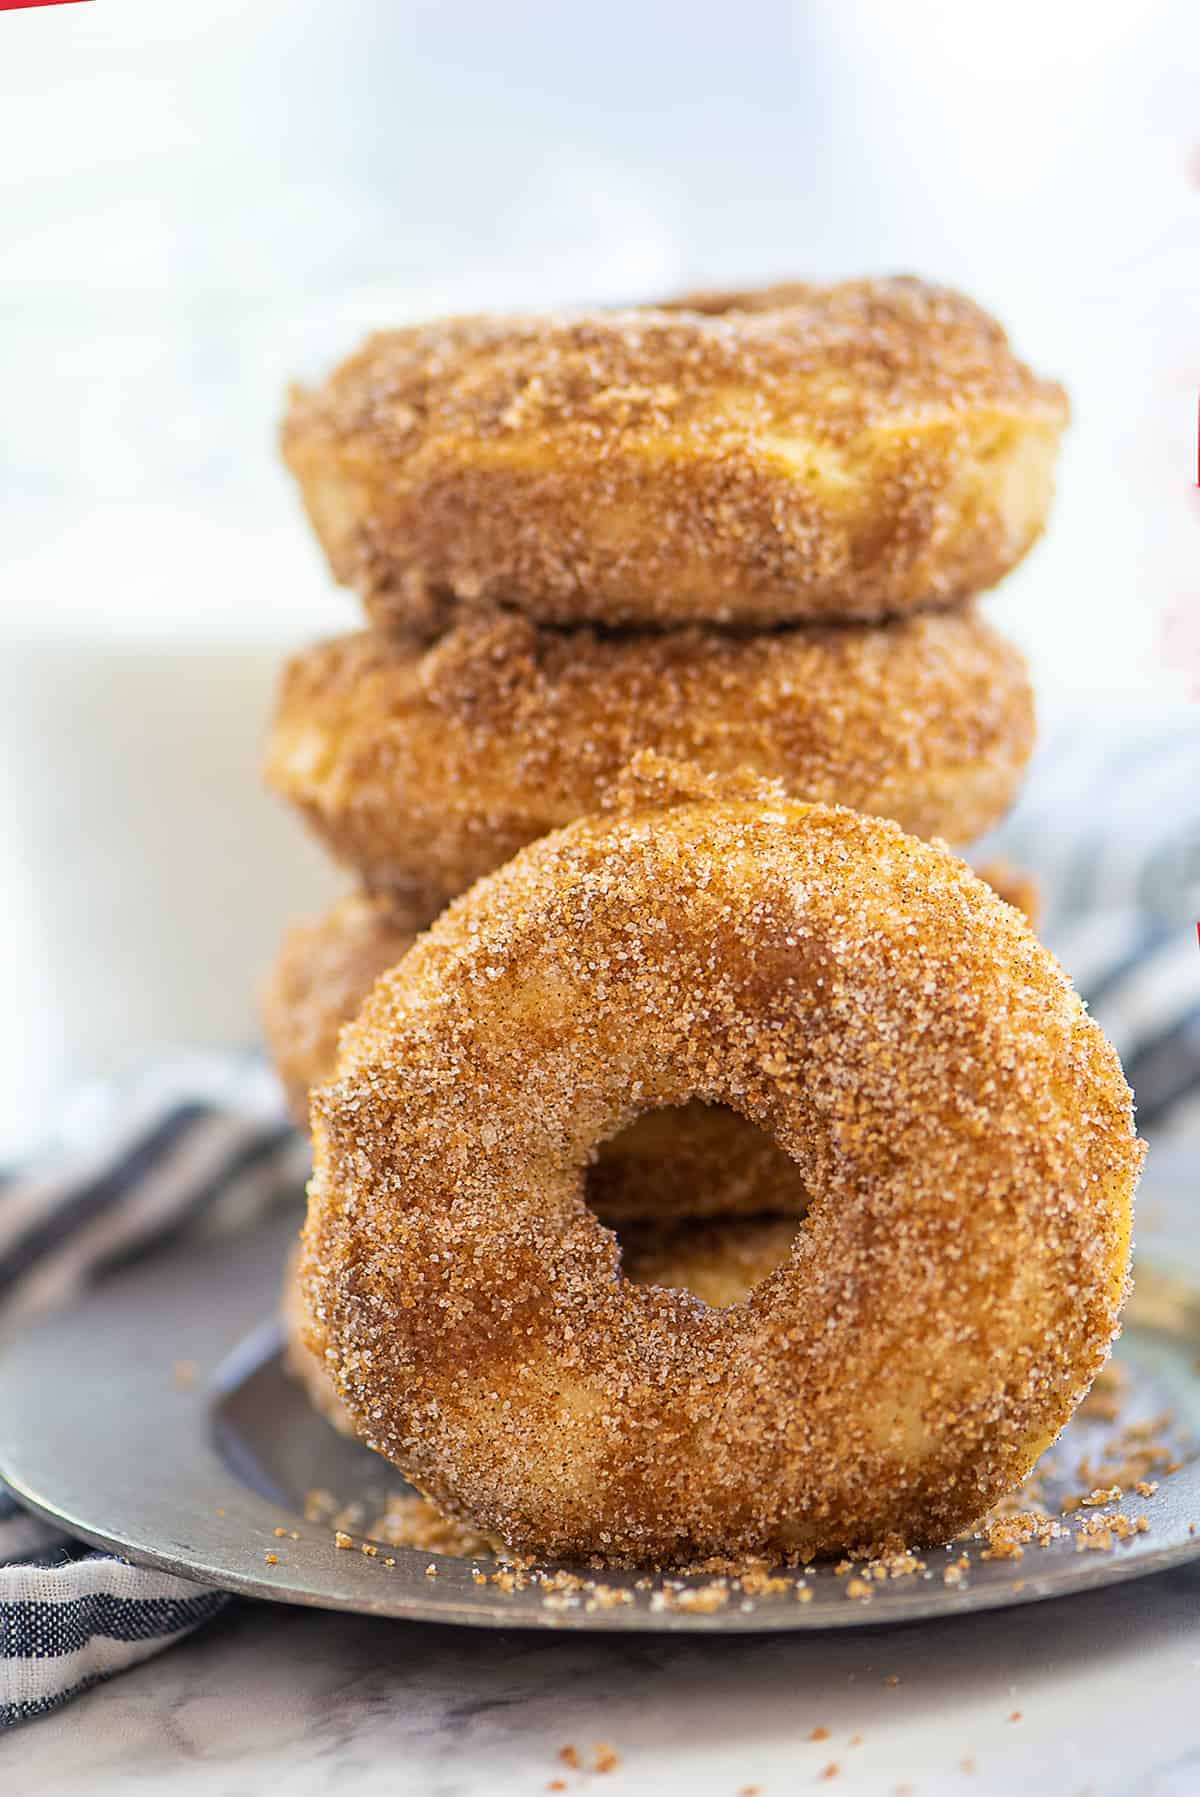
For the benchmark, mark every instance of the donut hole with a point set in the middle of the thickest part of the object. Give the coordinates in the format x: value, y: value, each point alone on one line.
x: 700, y: 1200
x: 719, y: 1261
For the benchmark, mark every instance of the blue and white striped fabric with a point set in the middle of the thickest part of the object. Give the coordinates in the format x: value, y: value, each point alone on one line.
x: 203, y: 1146
x: 1115, y: 839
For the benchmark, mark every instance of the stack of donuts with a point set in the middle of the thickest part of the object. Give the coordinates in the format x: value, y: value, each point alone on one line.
x: 651, y: 595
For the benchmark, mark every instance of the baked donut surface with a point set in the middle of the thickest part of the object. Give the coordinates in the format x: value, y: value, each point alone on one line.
x: 423, y: 768
x: 855, y: 452
x: 963, y: 1126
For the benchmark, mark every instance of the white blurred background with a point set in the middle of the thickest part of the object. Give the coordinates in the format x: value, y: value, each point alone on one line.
x: 202, y: 200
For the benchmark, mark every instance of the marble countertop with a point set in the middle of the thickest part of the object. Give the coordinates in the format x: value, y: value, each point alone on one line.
x: 1089, y: 1697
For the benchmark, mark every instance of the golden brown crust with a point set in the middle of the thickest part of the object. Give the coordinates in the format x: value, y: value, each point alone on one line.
x: 424, y: 769
x: 862, y: 451
x: 962, y: 1123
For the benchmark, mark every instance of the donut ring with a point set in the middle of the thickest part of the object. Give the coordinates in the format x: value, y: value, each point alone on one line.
x: 719, y: 1262
x: 423, y: 769
x: 693, y: 1162
x: 859, y: 452
x: 862, y: 996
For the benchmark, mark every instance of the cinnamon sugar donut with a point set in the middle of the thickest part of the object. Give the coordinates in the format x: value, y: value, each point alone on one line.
x: 424, y: 768
x: 963, y: 1125
x: 856, y: 452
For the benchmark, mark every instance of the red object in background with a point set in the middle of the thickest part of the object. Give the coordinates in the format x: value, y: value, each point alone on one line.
x: 21, y: 5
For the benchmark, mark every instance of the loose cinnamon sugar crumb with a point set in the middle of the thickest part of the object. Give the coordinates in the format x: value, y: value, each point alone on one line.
x: 956, y: 1572
x: 607, y: 1597
x: 819, y: 1734
x: 604, y: 1759
x: 831, y: 1770
x: 271, y: 1559
x: 370, y: 1550
x: 341, y: 1539
x: 859, y: 1588
x: 557, y: 1784
x: 701, y: 1600
x: 409, y: 1520
x: 1016, y: 1716
x: 892, y: 1679
x: 279, y: 1534
x: 762, y: 1584
x: 804, y: 1594
x: 569, y: 1756
x: 1145, y: 1487
x: 1101, y: 1533
x: 1092, y: 1500
x: 1008, y: 1536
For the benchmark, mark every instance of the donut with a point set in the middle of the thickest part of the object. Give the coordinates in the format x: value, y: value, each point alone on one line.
x: 423, y: 768
x: 860, y: 995
x: 859, y: 451
x: 720, y: 1262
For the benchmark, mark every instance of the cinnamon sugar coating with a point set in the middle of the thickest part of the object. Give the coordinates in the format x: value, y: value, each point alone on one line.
x: 963, y: 1126
x: 856, y: 452
x: 424, y: 768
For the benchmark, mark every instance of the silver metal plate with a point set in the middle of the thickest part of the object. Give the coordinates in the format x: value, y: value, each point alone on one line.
x: 197, y: 1474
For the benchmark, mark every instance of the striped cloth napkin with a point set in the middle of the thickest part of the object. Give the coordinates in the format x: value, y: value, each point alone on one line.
x: 200, y: 1146
x: 205, y: 1145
